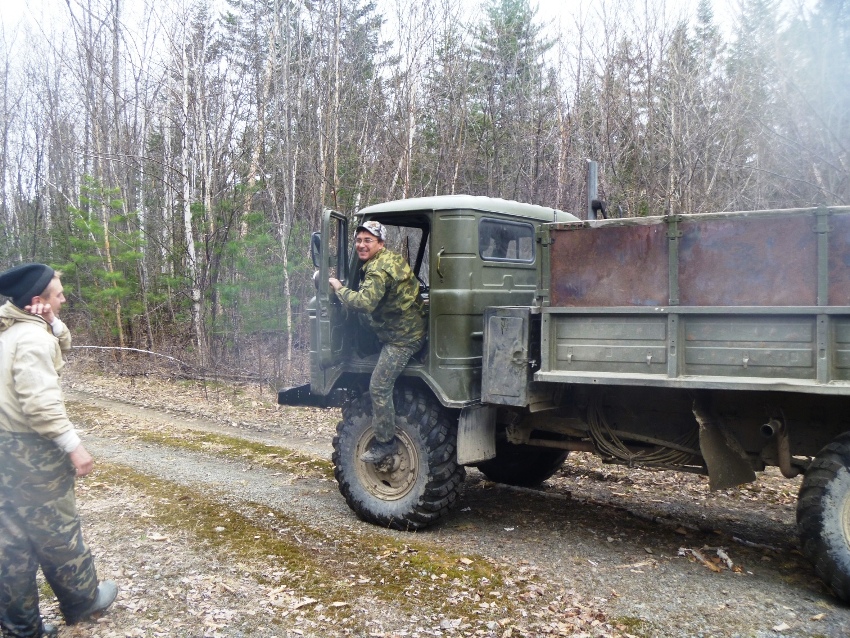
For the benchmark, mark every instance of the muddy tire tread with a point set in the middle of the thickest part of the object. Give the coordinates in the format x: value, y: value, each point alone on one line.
x: 816, y: 522
x: 440, y: 492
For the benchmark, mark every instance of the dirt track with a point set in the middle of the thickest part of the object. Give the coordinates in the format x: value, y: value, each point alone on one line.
x: 596, y: 552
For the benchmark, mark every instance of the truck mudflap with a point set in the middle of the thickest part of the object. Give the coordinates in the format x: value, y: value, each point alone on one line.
x: 727, y: 462
x: 300, y: 396
x: 476, y: 436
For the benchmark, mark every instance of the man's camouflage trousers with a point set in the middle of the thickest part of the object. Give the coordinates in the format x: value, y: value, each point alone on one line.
x: 391, y: 362
x: 39, y: 525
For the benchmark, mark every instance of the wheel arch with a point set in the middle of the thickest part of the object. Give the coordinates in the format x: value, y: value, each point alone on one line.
x: 357, y: 382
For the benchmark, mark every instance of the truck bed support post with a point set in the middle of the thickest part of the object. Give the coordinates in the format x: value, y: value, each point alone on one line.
x: 822, y: 228
x: 672, y: 342
x: 674, y: 234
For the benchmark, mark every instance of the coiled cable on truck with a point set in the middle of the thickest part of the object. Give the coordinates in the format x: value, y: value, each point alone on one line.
x: 608, y: 442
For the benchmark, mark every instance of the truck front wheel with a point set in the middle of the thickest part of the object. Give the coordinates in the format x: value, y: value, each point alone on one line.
x: 823, y: 515
x: 422, y: 483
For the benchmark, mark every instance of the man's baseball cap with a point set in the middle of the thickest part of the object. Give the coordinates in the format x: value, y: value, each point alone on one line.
x: 375, y: 228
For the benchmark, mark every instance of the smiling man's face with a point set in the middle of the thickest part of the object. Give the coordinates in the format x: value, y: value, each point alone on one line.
x: 367, y: 245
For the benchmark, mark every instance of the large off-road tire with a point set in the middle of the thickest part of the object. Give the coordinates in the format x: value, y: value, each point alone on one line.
x: 522, y: 465
x: 422, y: 485
x: 823, y: 515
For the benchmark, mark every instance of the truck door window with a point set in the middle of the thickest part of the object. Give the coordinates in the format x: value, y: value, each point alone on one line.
x: 337, y: 246
x: 409, y: 242
x: 500, y: 240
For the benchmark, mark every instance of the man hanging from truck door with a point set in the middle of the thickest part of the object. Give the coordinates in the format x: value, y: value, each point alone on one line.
x: 390, y: 298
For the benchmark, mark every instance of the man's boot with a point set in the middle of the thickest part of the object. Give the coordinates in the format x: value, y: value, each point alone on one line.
x: 379, y: 451
x: 104, y: 596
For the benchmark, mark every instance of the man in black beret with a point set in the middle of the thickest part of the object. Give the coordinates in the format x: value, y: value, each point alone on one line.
x: 24, y: 282
x: 40, y: 456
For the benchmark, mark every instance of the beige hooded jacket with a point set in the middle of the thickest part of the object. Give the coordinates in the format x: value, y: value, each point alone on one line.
x: 30, y: 360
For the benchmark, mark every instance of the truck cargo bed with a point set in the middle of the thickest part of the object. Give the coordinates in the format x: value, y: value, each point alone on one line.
x: 746, y: 300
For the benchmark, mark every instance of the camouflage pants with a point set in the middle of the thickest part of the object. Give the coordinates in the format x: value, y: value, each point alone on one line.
x: 39, y: 525
x: 391, y: 362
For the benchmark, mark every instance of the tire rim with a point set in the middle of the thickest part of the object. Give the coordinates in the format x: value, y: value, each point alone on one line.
x: 391, y: 483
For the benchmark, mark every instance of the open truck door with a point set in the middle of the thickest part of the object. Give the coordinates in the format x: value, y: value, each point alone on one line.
x: 329, y: 250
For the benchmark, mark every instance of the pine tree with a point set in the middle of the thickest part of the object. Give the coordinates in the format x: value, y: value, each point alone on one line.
x: 508, y: 84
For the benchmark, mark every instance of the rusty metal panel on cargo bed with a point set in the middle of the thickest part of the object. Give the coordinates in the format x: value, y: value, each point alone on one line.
x: 614, y: 266
x: 788, y: 258
x: 748, y: 261
x: 839, y: 260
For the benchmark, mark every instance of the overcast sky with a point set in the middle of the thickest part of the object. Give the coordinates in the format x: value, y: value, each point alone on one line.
x: 560, y: 14
x: 12, y: 10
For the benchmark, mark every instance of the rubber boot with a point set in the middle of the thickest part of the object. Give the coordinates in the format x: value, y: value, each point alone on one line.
x: 378, y: 452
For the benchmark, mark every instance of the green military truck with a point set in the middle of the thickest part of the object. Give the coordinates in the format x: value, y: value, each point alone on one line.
x: 715, y: 343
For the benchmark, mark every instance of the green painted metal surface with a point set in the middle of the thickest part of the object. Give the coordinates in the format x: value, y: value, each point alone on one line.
x: 481, y: 252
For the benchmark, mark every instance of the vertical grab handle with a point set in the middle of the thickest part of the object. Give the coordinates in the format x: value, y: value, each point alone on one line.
x: 439, y: 257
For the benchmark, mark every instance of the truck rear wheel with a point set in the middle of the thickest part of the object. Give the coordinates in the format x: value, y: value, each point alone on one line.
x: 522, y: 465
x: 823, y: 515
x: 422, y: 484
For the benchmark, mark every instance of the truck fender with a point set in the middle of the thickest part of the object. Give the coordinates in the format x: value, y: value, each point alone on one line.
x: 476, y: 434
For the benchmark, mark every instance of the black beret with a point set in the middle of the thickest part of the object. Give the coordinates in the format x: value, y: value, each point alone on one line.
x: 24, y: 282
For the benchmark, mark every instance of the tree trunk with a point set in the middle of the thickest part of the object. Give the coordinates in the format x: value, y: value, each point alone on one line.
x: 191, y: 259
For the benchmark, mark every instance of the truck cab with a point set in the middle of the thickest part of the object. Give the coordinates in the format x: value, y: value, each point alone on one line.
x: 468, y: 253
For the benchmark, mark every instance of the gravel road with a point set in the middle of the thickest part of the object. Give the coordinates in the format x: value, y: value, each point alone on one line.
x: 621, y: 544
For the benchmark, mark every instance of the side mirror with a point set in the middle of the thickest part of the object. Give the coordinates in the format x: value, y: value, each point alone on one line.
x: 316, y: 248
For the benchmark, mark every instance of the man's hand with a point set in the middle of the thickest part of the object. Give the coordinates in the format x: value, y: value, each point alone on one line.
x: 43, y: 310
x: 336, y: 284
x: 82, y: 460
